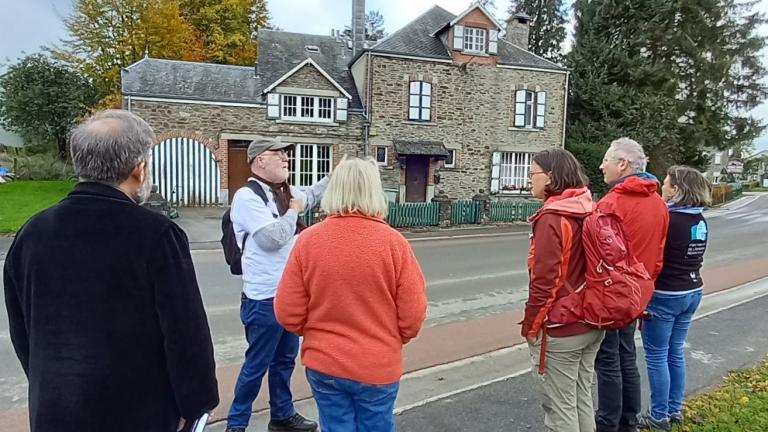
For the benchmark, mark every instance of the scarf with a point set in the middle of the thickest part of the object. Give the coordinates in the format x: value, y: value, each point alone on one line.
x: 283, y: 196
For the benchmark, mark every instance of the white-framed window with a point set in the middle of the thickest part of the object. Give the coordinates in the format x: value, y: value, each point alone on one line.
x: 718, y: 158
x: 309, y: 163
x: 450, y: 161
x: 382, y: 156
x: 307, y: 108
x: 420, y: 101
x: 474, y: 39
x: 514, y: 168
x: 530, y: 109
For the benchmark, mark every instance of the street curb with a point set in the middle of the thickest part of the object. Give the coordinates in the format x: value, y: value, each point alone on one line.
x: 417, y: 236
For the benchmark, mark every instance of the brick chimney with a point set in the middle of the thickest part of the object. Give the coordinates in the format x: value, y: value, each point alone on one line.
x: 518, y: 27
x: 358, y: 26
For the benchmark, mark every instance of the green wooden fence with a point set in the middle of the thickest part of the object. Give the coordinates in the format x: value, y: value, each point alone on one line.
x: 413, y: 214
x: 513, y: 211
x: 465, y: 212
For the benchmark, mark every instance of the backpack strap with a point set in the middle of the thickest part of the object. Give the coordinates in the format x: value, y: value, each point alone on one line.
x: 256, y: 188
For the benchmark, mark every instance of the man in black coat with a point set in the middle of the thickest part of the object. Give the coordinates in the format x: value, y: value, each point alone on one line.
x: 105, y: 313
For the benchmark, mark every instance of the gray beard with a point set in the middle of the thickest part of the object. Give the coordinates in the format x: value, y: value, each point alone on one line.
x: 142, y: 195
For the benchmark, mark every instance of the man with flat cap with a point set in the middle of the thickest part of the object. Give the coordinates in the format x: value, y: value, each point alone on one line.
x: 265, y: 218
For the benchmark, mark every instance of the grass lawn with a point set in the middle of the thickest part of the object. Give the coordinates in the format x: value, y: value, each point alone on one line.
x: 740, y: 404
x: 19, y: 200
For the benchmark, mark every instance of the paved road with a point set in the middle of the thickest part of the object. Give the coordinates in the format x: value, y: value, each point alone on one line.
x: 468, y: 280
x: 716, y: 344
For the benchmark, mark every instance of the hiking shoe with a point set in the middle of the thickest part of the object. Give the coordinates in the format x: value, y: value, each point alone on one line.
x: 646, y: 421
x: 676, y: 418
x: 295, y: 423
x: 236, y: 429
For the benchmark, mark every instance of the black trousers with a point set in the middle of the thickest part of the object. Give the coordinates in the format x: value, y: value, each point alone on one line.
x: 618, y: 381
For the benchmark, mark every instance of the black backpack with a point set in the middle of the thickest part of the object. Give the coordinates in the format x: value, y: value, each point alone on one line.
x: 232, y: 252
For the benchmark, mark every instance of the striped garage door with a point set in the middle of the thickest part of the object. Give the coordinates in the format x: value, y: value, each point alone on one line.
x: 186, y: 172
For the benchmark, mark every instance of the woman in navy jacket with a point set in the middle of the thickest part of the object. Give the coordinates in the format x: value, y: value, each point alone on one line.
x: 678, y: 294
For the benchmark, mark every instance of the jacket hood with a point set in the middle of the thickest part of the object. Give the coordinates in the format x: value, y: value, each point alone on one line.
x: 572, y: 202
x: 641, y: 184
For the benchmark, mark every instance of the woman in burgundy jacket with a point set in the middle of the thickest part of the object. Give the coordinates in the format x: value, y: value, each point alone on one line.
x: 564, y: 356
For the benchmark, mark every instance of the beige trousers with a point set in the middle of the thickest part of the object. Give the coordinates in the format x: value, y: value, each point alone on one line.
x: 566, y: 384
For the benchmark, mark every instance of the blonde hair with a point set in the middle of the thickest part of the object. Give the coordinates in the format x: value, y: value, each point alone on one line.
x: 355, y: 186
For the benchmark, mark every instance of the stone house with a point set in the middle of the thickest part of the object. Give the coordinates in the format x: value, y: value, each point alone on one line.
x: 452, y: 103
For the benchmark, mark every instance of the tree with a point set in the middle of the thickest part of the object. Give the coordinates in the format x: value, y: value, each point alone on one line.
x: 108, y: 35
x: 374, y: 27
x: 227, y: 28
x: 675, y: 76
x: 547, y: 31
x: 40, y: 99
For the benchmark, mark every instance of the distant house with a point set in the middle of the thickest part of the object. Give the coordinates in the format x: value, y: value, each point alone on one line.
x: 10, y: 139
x: 448, y: 102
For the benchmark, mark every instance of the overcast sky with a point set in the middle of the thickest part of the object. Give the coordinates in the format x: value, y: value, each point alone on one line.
x: 26, y: 25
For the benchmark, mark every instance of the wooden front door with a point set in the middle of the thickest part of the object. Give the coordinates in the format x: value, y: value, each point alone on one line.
x: 416, y: 172
x: 239, y: 171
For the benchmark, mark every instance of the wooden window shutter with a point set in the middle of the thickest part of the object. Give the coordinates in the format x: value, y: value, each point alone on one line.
x: 458, y: 37
x: 273, y: 106
x: 495, y: 171
x: 520, y: 108
x: 341, y: 109
x: 541, y: 108
x: 493, y: 42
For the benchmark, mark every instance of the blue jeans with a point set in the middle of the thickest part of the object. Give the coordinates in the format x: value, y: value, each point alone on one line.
x: 351, y: 406
x: 663, y: 338
x: 618, y: 381
x: 270, y: 347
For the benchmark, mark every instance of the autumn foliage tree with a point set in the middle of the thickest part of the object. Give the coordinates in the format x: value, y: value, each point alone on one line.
x: 108, y: 35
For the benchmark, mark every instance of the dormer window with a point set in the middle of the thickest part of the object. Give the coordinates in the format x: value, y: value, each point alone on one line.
x: 307, y: 108
x: 474, y: 39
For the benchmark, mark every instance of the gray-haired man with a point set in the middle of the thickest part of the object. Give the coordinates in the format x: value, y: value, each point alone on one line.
x: 104, y: 309
x: 266, y: 222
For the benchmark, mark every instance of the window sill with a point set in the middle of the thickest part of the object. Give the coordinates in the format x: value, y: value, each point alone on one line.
x: 307, y: 123
x: 476, y: 53
x: 418, y: 123
x: 526, y: 194
x: 519, y: 129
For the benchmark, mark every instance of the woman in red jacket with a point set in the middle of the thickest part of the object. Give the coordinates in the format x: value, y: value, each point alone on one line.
x: 353, y: 288
x: 564, y: 356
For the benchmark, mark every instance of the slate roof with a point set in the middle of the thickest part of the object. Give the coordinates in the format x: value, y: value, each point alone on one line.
x: 416, y: 39
x: 279, y: 52
x: 425, y: 148
x: 192, y: 81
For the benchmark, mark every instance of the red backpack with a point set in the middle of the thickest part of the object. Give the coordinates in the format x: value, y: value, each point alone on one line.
x: 617, y: 288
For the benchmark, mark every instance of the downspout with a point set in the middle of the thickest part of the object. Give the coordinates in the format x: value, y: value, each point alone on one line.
x: 129, y: 103
x: 565, y: 104
x: 367, y: 112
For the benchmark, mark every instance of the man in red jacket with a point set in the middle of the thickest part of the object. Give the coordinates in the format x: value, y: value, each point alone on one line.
x: 634, y: 197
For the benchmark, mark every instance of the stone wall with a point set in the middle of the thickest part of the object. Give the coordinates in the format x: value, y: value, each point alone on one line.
x: 472, y: 110
x: 308, y: 78
x: 213, y: 121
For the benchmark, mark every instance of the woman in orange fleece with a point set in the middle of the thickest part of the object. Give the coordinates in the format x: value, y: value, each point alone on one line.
x: 353, y: 288
x: 564, y: 356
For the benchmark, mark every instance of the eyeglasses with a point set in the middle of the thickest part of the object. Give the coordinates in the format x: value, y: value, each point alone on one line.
x: 282, y: 154
x: 532, y: 173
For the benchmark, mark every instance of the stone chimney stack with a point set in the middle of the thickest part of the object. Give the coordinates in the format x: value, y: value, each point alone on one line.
x: 358, y: 26
x: 518, y: 27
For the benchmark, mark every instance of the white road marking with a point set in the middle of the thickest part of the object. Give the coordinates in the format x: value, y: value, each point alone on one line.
x: 698, y: 355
